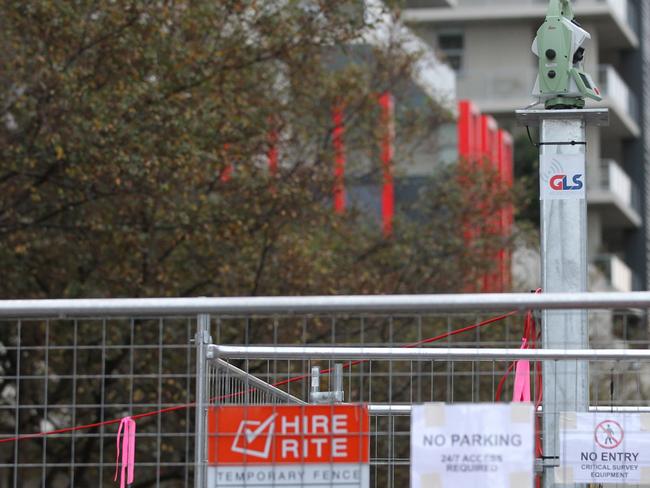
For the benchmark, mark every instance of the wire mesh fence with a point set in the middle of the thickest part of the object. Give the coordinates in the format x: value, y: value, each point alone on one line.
x: 91, y: 367
x: 62, y: 373
x: 391, y: 386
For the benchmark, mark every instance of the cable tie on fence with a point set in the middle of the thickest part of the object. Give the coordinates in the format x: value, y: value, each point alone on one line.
x: 522, y: 387
x: 521, y: 392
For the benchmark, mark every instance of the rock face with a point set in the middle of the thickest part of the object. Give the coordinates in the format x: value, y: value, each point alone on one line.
x: 526, y: 267
x: 617, y: 382
x: 612, y: 382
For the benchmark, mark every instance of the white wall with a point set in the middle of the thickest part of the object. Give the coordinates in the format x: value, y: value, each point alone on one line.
x: 498, y: 64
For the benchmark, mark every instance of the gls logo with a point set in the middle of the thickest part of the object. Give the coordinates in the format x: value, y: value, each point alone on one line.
x: 560, y: 182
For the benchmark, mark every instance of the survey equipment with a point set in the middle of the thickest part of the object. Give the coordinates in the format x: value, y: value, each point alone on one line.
x: 562, y: 82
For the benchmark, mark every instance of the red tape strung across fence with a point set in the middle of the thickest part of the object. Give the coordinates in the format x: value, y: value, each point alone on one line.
x: 279, y: 383
x: 407, y: 346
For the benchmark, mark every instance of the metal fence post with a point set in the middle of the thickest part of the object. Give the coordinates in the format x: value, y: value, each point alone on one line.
x: 202, y: 340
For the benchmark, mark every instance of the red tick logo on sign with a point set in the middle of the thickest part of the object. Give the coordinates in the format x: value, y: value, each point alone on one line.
x: 255, y: 430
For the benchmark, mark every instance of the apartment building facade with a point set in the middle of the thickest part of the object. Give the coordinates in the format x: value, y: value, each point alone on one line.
x: 487, y: 43
x: 386, y: 185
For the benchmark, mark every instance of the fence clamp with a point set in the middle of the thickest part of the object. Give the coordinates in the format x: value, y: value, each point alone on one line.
x: 211, y: 351
x: 336, y: 383
x: 546, y: 462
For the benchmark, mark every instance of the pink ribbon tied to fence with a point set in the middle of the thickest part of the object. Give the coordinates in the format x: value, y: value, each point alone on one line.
x: 521, y: 391
x: 127, y: 433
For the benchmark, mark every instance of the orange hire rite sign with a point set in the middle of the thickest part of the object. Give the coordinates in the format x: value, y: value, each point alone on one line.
x: 296, y: 446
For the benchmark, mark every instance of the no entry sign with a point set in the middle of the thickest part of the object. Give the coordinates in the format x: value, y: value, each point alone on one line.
x: 314, y: 445
x: 604, y: 448
x: 470, y: 445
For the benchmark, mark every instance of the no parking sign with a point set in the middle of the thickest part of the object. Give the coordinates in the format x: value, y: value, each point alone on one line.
x: 470, y: 445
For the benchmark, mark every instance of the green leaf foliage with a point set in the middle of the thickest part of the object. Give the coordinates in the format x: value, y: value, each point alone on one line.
x: 121, y: 118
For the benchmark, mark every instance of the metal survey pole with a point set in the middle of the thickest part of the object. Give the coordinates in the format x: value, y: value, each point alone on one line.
x: 562, y: 177
x: 564, y: 269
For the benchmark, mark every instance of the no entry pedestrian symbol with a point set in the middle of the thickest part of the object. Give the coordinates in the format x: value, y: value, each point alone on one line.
x: 608, y: 434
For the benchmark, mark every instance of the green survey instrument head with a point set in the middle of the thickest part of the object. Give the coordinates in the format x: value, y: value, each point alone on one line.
x: 561, y: 81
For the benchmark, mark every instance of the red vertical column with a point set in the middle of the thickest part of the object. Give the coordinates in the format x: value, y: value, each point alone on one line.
x: 226, y: 172
x: 488, y: 160
x: 480, y: 142
x: 510, y: 220
x: 507, y: 213
x: 464, y: 129
x: 477, y: 120
x: 272, y: 153
x: 339, y: 158
x: 468, y: 131
x: 386, y: 104
x: 489, y: 146
x: 469, y: 142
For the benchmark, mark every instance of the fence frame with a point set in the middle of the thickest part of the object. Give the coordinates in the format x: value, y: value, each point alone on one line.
x: 398, y: 353
x: 486, y: 302
x: 203, y: 308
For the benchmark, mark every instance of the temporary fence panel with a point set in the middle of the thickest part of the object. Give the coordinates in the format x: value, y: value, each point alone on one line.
x: 58, y: 373
x: 89, y: 363
x: 389, y: 379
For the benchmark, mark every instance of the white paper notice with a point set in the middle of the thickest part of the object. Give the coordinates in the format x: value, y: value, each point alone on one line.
x: 604, y: 448
x: 562, y: 176
x: 471, y: 445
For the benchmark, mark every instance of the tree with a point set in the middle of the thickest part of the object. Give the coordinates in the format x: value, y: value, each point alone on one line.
x: 134, y: 157
x: 527, y: 170
x: 120, y: 121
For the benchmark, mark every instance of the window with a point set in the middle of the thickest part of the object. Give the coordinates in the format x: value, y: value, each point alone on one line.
x: 451, y: 44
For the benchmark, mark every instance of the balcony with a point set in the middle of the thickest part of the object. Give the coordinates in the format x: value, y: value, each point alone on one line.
x: 617, y: 273
x: 618, y: 7
x: 501, y: 91
x: 617, y: 23
x: 616, y: 197
x: 430, y: 75
x: 622, y: 102
x: 430, y: 3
